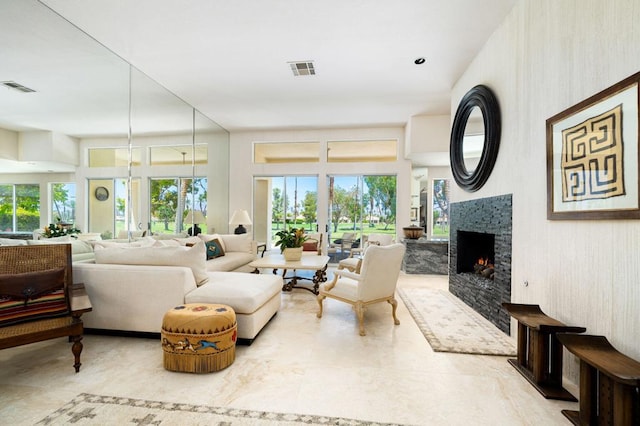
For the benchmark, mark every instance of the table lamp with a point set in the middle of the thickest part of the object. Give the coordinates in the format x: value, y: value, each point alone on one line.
x: 239, y: 218
x: 194, y: 217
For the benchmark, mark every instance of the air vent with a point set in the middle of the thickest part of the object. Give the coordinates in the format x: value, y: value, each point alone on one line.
x: 302, y: 68
x: 16, y: 86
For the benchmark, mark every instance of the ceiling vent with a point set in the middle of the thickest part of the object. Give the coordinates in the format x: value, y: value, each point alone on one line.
x: 302, y: 68
x: 16, y: 86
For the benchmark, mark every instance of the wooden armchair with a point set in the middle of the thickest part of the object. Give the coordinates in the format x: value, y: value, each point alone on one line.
x: 38, y: 300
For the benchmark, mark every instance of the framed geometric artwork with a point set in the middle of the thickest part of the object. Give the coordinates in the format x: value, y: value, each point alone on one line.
x: 592, y: 156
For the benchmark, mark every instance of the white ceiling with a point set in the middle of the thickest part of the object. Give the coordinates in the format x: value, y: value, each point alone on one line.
x: 229, y: 58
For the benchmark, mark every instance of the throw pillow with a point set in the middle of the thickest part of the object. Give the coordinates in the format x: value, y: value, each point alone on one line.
x: 214, y: 249
x: 32, y: 295
x: 310, y: 246
x: 240, y: 242
x: 210, y: 237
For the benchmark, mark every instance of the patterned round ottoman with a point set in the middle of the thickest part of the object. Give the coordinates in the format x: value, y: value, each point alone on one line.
x: 199, y: 338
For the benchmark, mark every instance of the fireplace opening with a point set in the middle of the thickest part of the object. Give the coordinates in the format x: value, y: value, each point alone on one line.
x: 476, y: 253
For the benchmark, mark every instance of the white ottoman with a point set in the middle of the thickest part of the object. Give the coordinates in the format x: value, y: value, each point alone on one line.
x: 254, y: 298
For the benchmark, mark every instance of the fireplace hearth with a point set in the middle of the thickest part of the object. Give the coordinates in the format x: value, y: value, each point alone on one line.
x: 481, y: 230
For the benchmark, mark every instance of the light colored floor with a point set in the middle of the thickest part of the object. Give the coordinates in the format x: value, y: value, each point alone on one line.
x: 298, y: 364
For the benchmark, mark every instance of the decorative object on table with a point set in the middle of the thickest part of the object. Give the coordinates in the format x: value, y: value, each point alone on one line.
x: 475, y: 138
x: 413, y: 232
x: 240, y: 218
x: 194, y: 218
x: 592, y: 156
x: 291, y: 242
x: 59, y: 230
x: 101, y: 193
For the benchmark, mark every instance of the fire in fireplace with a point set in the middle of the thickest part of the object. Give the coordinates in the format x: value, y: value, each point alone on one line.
x: 476, y: 251
x: 484, y: 267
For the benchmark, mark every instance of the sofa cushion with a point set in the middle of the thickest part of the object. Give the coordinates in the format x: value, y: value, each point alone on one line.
x: 142, y: 242
x: 241, y: 242
x: 214, y: 249
x: 192, y: 257
x: 32, y: 295
x: 12, y: 242
x: 230, y: 261
x: 245, y: 293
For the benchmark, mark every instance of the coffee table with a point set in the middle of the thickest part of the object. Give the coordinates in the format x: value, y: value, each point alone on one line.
x: 308, y: 262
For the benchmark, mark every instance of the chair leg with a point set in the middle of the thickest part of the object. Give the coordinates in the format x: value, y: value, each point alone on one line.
x: 76, y: 348
x: 320, y: 300
x: 394, y: 305
x: 360, y: 313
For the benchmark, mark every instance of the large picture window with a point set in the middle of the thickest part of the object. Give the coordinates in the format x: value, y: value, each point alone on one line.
x: 19, y: 207
x: 172, y: 199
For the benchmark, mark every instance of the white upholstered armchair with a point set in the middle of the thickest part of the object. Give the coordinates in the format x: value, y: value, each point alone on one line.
x: 353, y: 262
x: 375, y: 283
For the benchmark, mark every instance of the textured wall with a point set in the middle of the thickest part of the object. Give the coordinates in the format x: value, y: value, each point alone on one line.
x: 547, y: 56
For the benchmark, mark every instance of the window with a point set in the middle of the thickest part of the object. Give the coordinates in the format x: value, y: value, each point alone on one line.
x: 19, y: 207
x: 361, y: 151
x: 170, y: 201
x: 177, y: 155
x: 63, y: 203
x: 114, y: 157
x: 286, y: 152
x: 440, y: 215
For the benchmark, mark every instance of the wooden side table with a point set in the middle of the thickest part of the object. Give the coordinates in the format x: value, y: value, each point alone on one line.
x: 609, y: 382
x: 539, y: 352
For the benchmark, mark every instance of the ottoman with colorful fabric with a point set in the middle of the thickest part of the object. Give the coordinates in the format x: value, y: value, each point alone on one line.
x: 199, y: 338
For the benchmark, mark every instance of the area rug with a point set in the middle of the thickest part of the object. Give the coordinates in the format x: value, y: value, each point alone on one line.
x: 449, y: 325
x: 89, y: 409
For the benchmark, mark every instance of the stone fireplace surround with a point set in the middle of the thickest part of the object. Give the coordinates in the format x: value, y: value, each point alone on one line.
x: 492, y: 215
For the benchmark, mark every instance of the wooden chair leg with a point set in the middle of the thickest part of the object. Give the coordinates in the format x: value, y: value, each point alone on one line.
x: 360, y: 314
x: 76, y: 349
x: 320, y: 300
x: 394, y: 306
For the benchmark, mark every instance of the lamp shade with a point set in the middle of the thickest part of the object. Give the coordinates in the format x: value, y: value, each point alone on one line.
x: 240, y: 217
x: 195, y: 217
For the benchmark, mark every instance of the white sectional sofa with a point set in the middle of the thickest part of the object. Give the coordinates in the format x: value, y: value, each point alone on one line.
x: 131, y: 288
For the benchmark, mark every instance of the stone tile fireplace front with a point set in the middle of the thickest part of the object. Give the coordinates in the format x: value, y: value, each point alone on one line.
x: 481, y: 229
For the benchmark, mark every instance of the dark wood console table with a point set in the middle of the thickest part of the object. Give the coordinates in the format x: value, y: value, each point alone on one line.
x: 539, y: 352
x: 609, y: 382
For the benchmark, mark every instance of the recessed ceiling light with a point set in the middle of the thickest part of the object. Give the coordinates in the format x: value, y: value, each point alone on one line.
x: 419, y: 61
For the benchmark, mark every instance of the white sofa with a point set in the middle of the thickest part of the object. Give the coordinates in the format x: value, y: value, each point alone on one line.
x: 132, y: 288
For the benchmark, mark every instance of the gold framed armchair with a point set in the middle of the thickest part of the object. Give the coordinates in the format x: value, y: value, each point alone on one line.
x: 375, y: 283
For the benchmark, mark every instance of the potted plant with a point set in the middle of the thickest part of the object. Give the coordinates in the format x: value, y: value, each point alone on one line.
x: 290, y: 242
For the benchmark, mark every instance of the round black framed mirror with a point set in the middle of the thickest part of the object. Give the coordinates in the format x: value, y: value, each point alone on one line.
x: 475, y: 138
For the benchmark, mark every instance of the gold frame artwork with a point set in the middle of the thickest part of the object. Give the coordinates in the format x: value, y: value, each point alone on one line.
x: 592, y: 156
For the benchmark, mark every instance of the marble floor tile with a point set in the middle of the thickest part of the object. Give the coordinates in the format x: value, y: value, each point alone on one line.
x: 298, y: 364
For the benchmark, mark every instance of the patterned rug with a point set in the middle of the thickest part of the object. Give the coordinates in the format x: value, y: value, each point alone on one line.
x: 89, y: 409
x: 451, y: 326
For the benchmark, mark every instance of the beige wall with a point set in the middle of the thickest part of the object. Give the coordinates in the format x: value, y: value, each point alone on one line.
x: 547, y: 56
